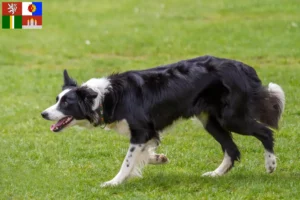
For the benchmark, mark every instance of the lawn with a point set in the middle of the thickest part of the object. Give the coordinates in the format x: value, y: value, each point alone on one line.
x: 95, y: 38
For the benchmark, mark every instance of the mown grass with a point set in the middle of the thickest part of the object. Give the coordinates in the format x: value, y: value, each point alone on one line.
x: 124, y: 35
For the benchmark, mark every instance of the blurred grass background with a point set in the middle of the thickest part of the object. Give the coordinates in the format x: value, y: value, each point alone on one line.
x: 95, y: 38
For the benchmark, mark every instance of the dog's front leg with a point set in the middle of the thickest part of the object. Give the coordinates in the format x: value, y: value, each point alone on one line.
x: 134, y: 157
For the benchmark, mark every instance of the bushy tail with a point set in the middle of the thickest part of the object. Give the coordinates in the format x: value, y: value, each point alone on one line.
x: 272, y: 106
x: 277, y: 93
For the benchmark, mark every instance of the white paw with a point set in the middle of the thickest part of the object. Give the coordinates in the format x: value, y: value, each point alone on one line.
x: 158, y: 159
x: 270, y: 162
x: 110, y: 183
x: 212, y: 174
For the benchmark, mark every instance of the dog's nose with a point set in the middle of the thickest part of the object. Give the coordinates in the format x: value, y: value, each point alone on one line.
x: 45, y: 115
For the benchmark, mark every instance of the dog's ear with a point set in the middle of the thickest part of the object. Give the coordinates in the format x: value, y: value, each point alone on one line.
x: 85, y: 93
x: 86, y: 98
x: 68, y: 82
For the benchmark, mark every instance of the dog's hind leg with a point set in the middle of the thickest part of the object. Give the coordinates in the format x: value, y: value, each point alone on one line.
x: 231, y: 152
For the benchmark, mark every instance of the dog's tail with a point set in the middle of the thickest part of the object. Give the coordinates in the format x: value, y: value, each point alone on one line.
x: 271, y: 106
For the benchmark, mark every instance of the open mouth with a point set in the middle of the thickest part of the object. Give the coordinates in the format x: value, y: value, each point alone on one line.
x: 61, y: 124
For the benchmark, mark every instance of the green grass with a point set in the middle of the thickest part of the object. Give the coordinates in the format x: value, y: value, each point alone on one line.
x: 124, y: 35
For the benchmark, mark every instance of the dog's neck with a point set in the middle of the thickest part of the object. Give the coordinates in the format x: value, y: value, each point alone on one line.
x: 99, y: 85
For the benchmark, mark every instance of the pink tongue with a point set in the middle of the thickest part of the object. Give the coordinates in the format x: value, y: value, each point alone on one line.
x: 59, y: 123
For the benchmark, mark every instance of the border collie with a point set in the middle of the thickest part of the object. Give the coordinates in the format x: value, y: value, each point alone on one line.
x: 225, y: 95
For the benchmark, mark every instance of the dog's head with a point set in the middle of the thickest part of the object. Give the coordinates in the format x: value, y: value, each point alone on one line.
x: 73, y: 104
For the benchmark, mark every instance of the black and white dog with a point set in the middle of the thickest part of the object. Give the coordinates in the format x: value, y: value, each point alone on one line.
x: 225, y: 95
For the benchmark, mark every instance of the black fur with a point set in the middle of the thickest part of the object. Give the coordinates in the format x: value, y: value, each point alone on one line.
x: 68, y: 82
x: 86, y: 98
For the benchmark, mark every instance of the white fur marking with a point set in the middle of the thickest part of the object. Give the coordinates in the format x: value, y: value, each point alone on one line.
x: 99, y: 85
x: 222, y: 169
x: 270, y: 161
x: 156, y: 159
x: 129, y: 165
x: 277, y: 91
x: 53, y: 112
x: 133, y: 163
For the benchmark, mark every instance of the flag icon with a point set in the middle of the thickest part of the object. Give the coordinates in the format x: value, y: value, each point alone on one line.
x: 32, y: 8
x: 11, y: 8
x: 12, y: 22
x: 22, y: 15
x: 32, y: 22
